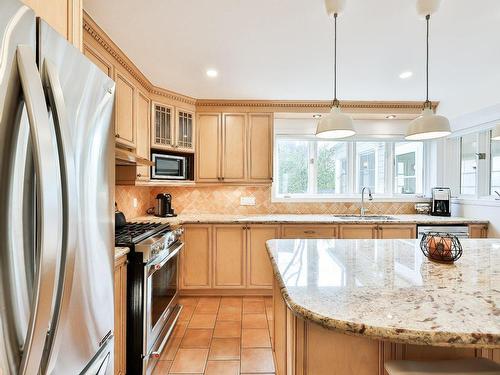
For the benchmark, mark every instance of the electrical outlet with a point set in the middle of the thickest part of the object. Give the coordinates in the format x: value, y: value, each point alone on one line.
x: 135, y: 203
x: 247, y: 201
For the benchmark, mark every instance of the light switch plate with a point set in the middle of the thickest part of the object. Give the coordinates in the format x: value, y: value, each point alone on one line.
x: 247, y: 201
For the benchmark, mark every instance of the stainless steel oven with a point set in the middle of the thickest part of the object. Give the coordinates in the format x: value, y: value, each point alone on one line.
x: 160, y: 293
x: 152, y: 291
x: 170, y: 167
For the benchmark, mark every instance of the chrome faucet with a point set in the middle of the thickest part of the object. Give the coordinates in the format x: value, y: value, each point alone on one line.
x: 370, y: 198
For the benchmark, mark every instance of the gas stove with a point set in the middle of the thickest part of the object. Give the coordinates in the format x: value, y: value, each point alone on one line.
x: 150, y: 239
x: 133, y: 233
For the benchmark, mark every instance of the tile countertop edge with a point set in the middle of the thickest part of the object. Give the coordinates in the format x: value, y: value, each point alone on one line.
x: 307, y: 219
x: 121, y: 251
x: 395, y: 335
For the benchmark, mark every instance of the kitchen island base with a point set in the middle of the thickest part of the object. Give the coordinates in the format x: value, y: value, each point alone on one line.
x: 305, y: 348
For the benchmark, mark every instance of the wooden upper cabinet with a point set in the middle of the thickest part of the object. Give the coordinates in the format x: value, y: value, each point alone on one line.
x: 260, y: 147
x: 125, y: 121
x: 229, y: 256
x: 196, y: 257
x: 397, y: 231
x: 259, y: 270
x: 98, y: 60
x: 162, y: 132
x: 143, y: 127
x: 234, y: 155
x: 184, y: 130
x: 358, y: 231
x: 208, y: 130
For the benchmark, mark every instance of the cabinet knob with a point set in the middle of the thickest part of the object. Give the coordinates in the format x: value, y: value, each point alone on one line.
x: 139, y: 175
x: 117, y: 135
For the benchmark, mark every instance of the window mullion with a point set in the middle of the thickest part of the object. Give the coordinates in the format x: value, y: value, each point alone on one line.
x: 389, y: 168
x: 312, y: 169
x: 351, y: 167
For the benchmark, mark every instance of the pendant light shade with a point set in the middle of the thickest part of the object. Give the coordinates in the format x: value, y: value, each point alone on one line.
x: 334, y: 7
x: 495, y: 135
x: 428, y: 125
x: 336, y: 124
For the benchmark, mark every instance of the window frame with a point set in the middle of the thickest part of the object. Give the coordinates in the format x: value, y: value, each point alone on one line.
x: 389, y: 194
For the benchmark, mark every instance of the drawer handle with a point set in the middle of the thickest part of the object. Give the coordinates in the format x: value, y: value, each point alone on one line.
x: 309, y: 231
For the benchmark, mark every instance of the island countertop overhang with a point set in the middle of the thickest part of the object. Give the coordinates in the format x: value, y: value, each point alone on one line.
x: 387, y: 290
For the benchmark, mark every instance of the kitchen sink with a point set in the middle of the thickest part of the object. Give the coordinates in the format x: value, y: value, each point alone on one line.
x: 367, y: 217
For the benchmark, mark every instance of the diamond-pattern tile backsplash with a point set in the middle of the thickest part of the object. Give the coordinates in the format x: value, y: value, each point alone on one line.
x: 226, y: 200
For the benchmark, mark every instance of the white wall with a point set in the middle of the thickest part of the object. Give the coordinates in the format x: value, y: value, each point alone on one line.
x: 480, y: 210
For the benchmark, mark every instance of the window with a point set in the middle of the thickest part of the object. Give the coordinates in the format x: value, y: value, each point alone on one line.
x: 331, y: 160
x: 408, y: 168
x: 293, y: 157
x: 468, y: 164
x: 307, y: 167
x: 370, y: 159
x: 495, y: 167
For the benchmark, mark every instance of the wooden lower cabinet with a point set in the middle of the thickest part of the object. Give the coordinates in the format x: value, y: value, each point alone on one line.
x: 358, y: 231
x: 380, y: 231
x: 229, y: 256
x: 120, y: 301
x: 396, y: 231
x: 478, y: 231
x: 302, y: 348
x: 259, y: 270
x: 309, y: 231
x: 196, y: 257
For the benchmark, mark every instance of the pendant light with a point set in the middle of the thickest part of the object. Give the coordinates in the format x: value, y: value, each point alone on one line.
x: 336, y: 124
x: 428, y: 125
x: 495, y: 135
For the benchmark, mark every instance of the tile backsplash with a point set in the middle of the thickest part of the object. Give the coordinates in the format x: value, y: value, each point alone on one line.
x: 226, y: 199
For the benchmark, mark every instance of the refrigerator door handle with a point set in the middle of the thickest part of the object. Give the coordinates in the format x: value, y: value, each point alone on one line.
x: 54, y: 93
x: 49, y: 210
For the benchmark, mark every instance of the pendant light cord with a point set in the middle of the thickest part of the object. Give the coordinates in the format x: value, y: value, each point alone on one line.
x: 427, y: 102
x: 335, y: 101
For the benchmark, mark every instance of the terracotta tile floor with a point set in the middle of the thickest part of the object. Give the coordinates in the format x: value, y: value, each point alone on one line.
x: 221, y: 336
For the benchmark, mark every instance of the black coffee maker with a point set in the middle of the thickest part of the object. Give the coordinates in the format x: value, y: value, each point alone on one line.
x: 163, y: 206
x: 441, y: 202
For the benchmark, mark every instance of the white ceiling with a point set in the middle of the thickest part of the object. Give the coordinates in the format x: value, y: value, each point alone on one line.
x: 282, y: 49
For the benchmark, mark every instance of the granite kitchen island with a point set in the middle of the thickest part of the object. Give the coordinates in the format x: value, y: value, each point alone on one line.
x: 346, y: 306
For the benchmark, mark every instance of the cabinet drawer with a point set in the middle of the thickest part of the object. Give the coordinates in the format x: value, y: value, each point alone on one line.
x: 313, y: 231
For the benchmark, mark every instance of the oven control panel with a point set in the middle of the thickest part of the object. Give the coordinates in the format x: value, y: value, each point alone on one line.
x: 158, y: 243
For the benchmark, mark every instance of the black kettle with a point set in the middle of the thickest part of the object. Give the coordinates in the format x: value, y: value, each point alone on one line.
x: 163, y: 206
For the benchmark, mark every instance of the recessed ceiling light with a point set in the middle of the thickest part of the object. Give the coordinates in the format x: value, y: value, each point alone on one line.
x: 390, y: 117
x: 316, y: 116
x: 212, y: 73
x: 405, y: 75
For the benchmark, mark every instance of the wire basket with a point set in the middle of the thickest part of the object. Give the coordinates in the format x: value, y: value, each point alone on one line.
x: 441, y: 247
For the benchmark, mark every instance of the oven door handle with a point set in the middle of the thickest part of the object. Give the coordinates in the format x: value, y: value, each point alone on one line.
x: 152, y: 268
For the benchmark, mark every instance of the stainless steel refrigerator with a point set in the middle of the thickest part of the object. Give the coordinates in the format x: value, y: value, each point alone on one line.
x: 56, y: 203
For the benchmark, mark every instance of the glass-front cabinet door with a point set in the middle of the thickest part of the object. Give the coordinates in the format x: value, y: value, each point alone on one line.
x: 163, y: 131
x: 185, y: 130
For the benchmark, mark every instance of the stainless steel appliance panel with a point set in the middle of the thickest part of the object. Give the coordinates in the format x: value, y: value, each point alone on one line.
x: 30, y: 229
x: 460, y: 231
x: 169, y: 167
x: 88, y: 96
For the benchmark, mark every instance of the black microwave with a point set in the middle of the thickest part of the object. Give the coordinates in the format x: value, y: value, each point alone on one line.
x: 171, y: 166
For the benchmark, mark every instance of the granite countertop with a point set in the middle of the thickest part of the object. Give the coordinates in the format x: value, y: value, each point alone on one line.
x: 307, y: 219
x: 388, y: 290
x: 121, y: 251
